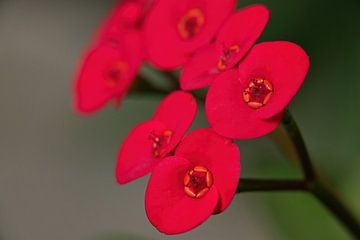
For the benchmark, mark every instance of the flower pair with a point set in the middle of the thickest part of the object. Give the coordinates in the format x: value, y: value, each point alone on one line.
x: 190, y: 180
x: 164, y: 32
x: 250, y: 86
x: 199, y: 180
x: 113, y: 60
x: 249, y: 101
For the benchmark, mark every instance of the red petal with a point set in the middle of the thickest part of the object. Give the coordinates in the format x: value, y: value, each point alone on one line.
x: 161, y: 38
x: 201, y: 69
x: 166, y: 48
x: 135, y: 158
x: 219, y: 155
x: 285, y: 64
x: 168, y: 207
x: 124, y: 16
x: 119, y: 39
x: 91, y: 90
x: 177, y: 112
x: 229, y: 115
x: 243, y: 29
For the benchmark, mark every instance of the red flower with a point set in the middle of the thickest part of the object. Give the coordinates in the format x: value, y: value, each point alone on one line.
x: 234, y: 40
x: 200, y: 180
x: 106, y: 73
x: 126, y: 16
x: 155, y: 139
x: 249, y: 102
x: 110, y: 66
x: 175, y: 29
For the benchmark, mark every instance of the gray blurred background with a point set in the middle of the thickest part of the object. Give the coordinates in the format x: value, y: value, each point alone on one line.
x: 57, y: 168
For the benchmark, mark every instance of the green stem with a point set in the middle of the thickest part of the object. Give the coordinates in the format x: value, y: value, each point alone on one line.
x: 172, y: 77
x: 141, y: 85
x: 333, y: 202
x: 317, y: 185
x: 295, y: 136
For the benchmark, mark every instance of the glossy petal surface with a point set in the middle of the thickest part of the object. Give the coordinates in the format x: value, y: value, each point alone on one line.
x: 201, y: 69
x: 242, y: 29
x: 234, y: 40
x: 165, y: 46
x: 168, y: 208
x: 177, y: 111
x: 285, y: 64
x: 229, y: 115
x: 219, y: 155
x: 149, y: 142
x: 135, y: 158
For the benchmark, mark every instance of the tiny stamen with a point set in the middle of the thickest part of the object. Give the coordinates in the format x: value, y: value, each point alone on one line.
x: 114, y: 74
x: 228, y: 52
x: 191, y: 23
x: 160, y: 142
x: 258, y: 93
x: 197, y: 182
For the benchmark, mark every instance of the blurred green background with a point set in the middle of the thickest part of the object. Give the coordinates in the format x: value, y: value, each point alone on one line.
x: 57, y: 168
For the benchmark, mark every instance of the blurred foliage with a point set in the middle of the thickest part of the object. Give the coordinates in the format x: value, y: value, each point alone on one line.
x: 299, y: 216
x: 326, y: 108
x: 121, y: 236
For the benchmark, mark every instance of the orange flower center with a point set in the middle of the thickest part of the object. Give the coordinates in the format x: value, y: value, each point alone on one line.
x: 160, y: 141
x: 227, y: 54
x: 114, y: 74
x: 197, y: 182
x: 191, y: 23
x: 258, y: 93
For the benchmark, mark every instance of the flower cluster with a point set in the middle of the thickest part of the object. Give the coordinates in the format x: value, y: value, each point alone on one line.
x: 196, y: 175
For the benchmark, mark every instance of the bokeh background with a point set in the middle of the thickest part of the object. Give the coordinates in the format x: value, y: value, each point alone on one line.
x: 57, y: 168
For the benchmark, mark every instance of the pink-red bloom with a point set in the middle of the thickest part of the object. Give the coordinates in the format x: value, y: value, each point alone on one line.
x: 234, y: 40
x: 249, y: 102
x: 149, y: 142
x: 126, y: 16
x: 200, y: 180
x: 106, y: 74
x: 110, y: 65
x: 175, y: 29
